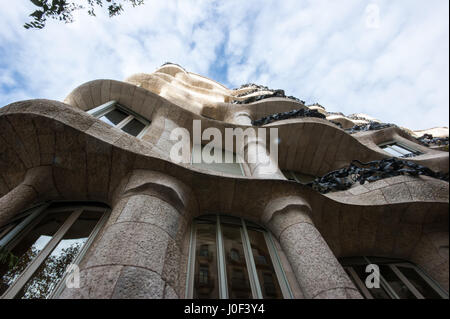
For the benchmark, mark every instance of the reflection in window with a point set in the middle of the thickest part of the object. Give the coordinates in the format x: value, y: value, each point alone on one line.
x: 264, y: 268
x: 234, y: 255
x: 397, y: 150
x: 248, y: 269
x: 203, y: 275
x: 205, y: 282
x: 45, y: 246
x: 237, y: 272
x: 114, y: 114
x: 204, y: 251
x: 29, y: 248
x: 398, y: 279
x: 114, y: 117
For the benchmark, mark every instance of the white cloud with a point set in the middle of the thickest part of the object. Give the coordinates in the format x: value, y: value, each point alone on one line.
x: 320, y: 51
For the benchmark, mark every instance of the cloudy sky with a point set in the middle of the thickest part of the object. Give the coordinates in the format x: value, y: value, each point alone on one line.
x: 389, y: 59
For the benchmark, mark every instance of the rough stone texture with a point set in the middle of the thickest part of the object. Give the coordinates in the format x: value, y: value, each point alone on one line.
x: 288, y: 217
x: 138, y: 283
x: 339, y: 293
x: 151, y: 210
x: 169, y: 293
x: 314, y: 264
x: 95, y: 283
x: 172, y: 261
x: 397, y: 193
x: 134, y: 244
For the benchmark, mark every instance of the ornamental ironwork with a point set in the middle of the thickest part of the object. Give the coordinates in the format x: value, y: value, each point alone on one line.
x: 288, y: 115
x: 258, y: 88
x: 429, y: 140
x: 372, y: 126
x: 357, y: 171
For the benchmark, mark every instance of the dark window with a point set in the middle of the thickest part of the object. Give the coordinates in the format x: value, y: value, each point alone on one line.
x: 398, y: 279
x: 247, y: 270
x: 114, y: 117
x: 134, y: 127
x: 120, y: 117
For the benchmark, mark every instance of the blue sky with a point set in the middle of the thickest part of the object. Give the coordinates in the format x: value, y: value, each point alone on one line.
x: 388, y: 59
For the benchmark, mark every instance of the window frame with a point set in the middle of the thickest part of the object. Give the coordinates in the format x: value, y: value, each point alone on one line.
x: 255, y: 285
x: 107, y: 107
x: 393, y: 265
x: 402, y: 146
x: 35, y: 215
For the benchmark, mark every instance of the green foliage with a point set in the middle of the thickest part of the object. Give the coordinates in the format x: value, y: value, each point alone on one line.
x: 48, y: 274
x: 7, y: 257
x: 62, y: 10
x: 51, y: 271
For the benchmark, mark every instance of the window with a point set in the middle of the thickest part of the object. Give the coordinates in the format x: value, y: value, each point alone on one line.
x: 298, y: 177
x: 204, y: 251
x: 119, y: 116
x: 398, y: 150
x: 42, y: 245
x: 203, y: 275
x: 234, y: 168
x: 398, y: 279
x: 245, y: 265
x: 234, y: 255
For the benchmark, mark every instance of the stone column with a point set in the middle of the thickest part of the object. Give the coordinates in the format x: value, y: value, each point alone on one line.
x: 256, y: 154
x: 317, y: 270
x: 37, y: 184
x: 139, y: 254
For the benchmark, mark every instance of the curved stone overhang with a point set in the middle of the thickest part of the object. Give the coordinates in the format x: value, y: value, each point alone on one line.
x: 262, y: 108
x: 435, y: 159
x: 213, y: 99
x: 194, y: 78
x: 308, y: 145
x: 90, y: 160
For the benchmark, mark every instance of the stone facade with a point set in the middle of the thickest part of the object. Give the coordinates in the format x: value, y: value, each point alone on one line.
x: 57, y: 151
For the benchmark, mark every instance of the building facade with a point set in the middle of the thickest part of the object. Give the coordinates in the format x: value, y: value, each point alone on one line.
x: 94, y: 205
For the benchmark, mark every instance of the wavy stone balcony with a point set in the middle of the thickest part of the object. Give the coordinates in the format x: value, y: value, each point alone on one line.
x: 54, y: 151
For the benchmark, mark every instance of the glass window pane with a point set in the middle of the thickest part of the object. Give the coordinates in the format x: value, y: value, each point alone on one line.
x: 134, y: 127
x: 264, y: 267
x: 400, y: 149
x: 237, y: 273
x: 205, y: 279
x: 377, y: 293
x: 45, y: 279
x: 391, y: 151
x: 419, y: 283
x: 114, y: 117
x: 29, y: 247
x: 396, y: 284
x: 417, y: 279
